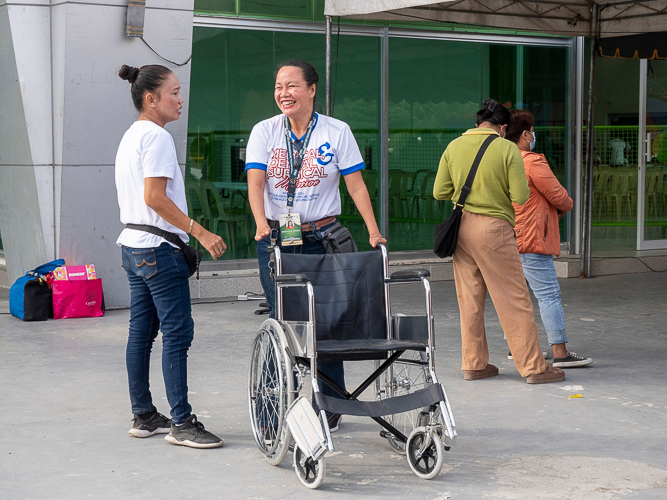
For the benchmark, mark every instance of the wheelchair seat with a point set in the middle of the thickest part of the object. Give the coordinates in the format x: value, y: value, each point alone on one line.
x: 368, y: 346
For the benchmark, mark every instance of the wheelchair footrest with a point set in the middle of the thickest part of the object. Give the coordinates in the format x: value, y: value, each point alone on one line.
x: 306, y: 428
x: 424, y: 397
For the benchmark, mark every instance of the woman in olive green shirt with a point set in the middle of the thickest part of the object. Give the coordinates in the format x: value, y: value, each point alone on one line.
x: 486, y: 256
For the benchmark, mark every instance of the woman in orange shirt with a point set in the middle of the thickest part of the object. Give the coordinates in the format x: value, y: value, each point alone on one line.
x: 538, y: 236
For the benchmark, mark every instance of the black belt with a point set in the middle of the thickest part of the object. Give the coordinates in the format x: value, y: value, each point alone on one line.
x: 306, y: 226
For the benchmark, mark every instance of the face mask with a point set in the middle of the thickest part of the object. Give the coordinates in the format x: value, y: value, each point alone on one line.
x: 532, y: 144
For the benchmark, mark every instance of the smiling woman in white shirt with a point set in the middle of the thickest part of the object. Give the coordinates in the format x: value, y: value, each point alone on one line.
x: 311, y: 152
x: 151, y: 192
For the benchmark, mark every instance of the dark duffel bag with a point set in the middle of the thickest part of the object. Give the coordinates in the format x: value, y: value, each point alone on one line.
x: 30, y: 296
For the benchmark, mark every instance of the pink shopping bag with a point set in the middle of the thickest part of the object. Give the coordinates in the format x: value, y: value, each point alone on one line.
x: 78, y: 299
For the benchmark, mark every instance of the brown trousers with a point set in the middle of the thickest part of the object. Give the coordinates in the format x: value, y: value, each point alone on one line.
x: 487, y: 258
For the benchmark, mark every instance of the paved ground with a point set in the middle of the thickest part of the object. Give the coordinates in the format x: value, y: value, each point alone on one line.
x: 66, y: 412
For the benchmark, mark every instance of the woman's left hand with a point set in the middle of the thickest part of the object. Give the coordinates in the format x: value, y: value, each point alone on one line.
x: 375, y: 239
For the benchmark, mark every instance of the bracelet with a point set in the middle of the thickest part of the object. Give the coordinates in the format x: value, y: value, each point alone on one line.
x: 192, y: 221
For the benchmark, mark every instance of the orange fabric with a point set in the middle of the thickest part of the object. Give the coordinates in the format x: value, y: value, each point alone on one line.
x: 537, y: 220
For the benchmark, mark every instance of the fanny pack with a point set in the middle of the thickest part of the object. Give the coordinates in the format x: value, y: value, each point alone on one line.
x: 337, y: 239
x: 192, y: 255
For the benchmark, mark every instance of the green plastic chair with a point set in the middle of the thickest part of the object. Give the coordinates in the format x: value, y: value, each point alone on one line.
x: 218, y: 217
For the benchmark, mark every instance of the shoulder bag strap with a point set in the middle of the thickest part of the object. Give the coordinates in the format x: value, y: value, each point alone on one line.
x: 170, y: 237
x: 465, y: 190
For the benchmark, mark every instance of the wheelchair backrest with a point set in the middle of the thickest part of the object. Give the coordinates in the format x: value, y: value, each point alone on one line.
x: 349, y: 294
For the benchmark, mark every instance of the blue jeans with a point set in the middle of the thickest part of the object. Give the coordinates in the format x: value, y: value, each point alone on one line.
x: 160, y: 299
x: 312, y: 244
x: 540, y: 273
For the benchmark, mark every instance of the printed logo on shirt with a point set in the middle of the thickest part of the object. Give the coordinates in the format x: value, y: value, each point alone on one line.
x: 328, y: 156
x: 312, y: 168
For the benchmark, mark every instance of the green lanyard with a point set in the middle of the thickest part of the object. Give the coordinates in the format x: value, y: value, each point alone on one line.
x: 295, y: 163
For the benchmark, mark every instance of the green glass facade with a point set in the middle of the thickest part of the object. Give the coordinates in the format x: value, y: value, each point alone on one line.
x: 435, y: 88
x: 232, y: 90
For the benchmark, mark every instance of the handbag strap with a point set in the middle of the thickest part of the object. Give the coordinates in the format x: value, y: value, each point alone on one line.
x: 465, y: 190
x: 170, y: 237
x: 48, y: 267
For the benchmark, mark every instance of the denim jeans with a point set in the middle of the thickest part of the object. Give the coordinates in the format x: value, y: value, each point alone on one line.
x: 312, y: 244
x: 540, y: 273
x: 160, y: 299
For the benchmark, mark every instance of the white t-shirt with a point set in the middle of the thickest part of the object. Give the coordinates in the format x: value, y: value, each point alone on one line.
x: 332, y: 152
x: 146, y: 150
x: 618, y: 147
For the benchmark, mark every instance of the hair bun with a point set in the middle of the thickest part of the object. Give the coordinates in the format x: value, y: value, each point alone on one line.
x: 489, y: 105
x: 128, y: 73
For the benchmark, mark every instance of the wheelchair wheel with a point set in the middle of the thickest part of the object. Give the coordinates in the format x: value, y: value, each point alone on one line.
x: 410, y: 373
x: 425, y: 461
x: 270, y: 391
x: 310, y: 472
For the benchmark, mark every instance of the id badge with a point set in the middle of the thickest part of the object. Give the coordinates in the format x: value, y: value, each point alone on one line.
x: 290, y: 229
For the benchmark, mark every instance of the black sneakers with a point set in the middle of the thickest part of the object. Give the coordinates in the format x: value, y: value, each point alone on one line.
x: 572, y: 361
x: 334, y: 420
x: 146, y: 427
x: 193, y: 434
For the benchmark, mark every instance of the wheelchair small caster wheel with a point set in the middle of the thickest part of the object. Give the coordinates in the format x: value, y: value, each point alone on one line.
x: 424, y: 452
x: 310, y: 472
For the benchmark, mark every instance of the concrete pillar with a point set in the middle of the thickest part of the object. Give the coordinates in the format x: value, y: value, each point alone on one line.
x: 68, y: 110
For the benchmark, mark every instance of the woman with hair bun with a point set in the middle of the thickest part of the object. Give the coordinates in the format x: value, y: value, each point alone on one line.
x: 151, y: 192
x: 486, y: 256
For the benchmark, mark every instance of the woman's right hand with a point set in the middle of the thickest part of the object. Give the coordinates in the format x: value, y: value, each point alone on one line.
x: 262, y: 231
x: 211, y: 242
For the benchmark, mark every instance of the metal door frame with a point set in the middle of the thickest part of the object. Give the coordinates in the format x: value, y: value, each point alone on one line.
x: 643, y: 244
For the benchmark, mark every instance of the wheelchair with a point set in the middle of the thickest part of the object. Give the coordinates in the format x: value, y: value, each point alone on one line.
x: 337, y: 307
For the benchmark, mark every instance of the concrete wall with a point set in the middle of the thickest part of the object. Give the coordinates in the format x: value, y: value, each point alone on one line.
x: 69, y: 110
x: 20, y: 216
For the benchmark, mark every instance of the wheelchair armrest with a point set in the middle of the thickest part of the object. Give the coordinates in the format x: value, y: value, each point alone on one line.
x: 291, y: 278
x: 410, y: 274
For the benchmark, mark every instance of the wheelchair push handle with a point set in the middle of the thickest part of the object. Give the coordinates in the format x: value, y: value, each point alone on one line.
x: 284, y: 279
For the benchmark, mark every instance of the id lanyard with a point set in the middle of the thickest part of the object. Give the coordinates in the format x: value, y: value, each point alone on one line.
x: 295, y: 163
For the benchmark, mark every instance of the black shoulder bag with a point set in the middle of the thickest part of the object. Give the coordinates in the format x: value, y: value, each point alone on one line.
x: 192, y: 255
x: 447, y: 233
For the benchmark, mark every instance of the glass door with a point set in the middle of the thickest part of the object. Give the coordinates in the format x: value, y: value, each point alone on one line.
x: 652, y: 200
x: 615, y: 155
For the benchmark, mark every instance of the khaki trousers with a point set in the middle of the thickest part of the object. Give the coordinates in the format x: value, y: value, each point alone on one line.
x: 487, y: 258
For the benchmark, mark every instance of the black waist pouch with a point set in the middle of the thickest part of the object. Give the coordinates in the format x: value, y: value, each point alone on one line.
x: 193, y: 257
x: 337, y: 239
